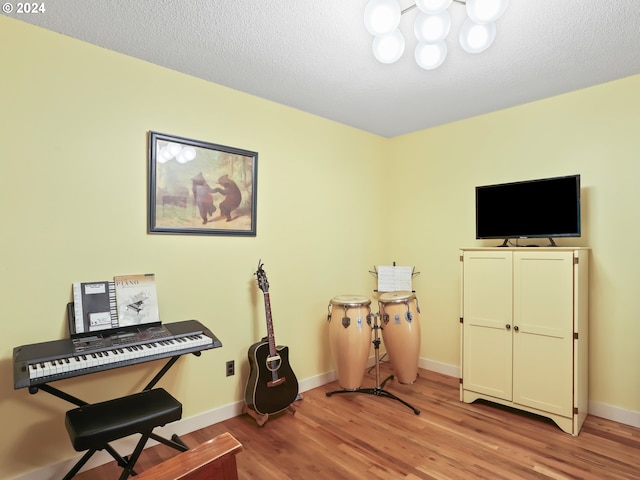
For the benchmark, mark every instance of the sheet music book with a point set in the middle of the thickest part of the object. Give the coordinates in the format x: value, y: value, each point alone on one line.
x: 394, y: 278
x: 136, y: 299
x: 125, y: 301
x: 94, y: 307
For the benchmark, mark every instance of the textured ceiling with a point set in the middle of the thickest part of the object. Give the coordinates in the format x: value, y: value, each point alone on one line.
x: 315, y: 55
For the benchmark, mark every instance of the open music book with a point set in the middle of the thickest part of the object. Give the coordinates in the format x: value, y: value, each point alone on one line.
x: 136, y: 299
x: 126, y: 300
x: 394, y: 278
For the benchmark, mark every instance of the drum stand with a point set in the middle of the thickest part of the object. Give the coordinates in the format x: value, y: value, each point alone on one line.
x: 379, y: 389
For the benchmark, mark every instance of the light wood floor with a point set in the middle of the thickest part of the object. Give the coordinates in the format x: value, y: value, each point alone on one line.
x: 358, y: 436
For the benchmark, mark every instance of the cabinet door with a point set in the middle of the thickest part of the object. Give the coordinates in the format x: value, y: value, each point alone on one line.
x: 543, y: 331
x: 487, y: 318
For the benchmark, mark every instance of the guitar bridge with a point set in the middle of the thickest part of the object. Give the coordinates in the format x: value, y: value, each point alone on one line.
x: 275, y: 383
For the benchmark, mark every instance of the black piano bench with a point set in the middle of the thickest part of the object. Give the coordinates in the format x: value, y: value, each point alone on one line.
x: 92, y: 427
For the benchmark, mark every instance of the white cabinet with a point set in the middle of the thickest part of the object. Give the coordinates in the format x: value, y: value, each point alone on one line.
x: 524, y: 330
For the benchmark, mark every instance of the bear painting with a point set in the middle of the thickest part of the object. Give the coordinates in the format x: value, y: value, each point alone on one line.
x: 202, y: 197
x: 232, y: 196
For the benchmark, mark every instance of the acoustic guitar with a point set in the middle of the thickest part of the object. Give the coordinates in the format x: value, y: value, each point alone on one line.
x: 272, y: 385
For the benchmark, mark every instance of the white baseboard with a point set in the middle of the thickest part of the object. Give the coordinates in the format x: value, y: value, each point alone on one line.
x: 616, y: 414
x: 443, y: 368
x: 219, y: 414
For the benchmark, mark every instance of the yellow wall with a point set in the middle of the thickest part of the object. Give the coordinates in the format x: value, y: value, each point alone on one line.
x: 332, y: 203
x: 592, y: 132
x: 73, y: 182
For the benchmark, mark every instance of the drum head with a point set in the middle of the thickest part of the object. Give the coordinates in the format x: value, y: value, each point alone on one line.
x: 396, y: 297
x: 350, y: 300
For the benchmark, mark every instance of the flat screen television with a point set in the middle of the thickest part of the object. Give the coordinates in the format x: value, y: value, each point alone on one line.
x: 542, y: 208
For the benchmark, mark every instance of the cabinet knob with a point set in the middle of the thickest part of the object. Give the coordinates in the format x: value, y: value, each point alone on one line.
x: 516, y: 328
x: 508, y: 327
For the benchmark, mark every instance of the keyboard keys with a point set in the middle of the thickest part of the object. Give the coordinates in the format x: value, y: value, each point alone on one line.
x: 131, y: 353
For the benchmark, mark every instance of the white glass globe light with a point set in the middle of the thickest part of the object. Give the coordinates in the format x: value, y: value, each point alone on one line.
x: 476, y: 38
x: 163, y: 155
x: 433, y: 6
x: 486, y: 11
x: 189, y: 153
x: 173, y: 148
x: 382, y: 16
x: 432, y: 28
x: 430, y: 55
x: 388, y: 48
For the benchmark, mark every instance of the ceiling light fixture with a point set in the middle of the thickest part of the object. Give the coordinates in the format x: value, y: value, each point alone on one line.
x: 431, y: 27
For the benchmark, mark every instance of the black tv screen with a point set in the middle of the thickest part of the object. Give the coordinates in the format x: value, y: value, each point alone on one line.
x: 542, y: 208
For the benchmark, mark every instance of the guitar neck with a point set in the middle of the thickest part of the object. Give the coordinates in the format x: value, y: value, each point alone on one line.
x: 270, y: 334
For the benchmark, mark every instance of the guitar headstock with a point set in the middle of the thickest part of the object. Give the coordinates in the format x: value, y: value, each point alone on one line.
x: 263, y: 283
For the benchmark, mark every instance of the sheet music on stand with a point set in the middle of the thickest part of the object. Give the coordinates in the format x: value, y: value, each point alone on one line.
x: 394, y: 278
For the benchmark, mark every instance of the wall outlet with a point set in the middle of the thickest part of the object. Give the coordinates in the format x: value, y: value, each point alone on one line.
x: 230, y: 368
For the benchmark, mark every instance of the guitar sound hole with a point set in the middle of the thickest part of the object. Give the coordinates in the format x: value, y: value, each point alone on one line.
x: 273, y: 365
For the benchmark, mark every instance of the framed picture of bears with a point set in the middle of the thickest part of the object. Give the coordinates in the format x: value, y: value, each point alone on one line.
x: 200, y: 188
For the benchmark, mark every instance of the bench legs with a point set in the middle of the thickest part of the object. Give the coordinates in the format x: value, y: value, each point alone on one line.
x: 128, y: 469
x: 76, y: 468
x: 127, y: 463
x: 175, y: 441
x: 118, y: 458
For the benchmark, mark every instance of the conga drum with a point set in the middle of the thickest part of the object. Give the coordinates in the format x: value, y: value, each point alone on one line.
x: 400, y: 315
x: 350, y: 338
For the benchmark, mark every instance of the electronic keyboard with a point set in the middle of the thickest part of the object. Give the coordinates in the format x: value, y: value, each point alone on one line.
x: 40, y: 363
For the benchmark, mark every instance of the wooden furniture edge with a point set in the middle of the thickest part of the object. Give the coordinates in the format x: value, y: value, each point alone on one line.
x: 215, y: 455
